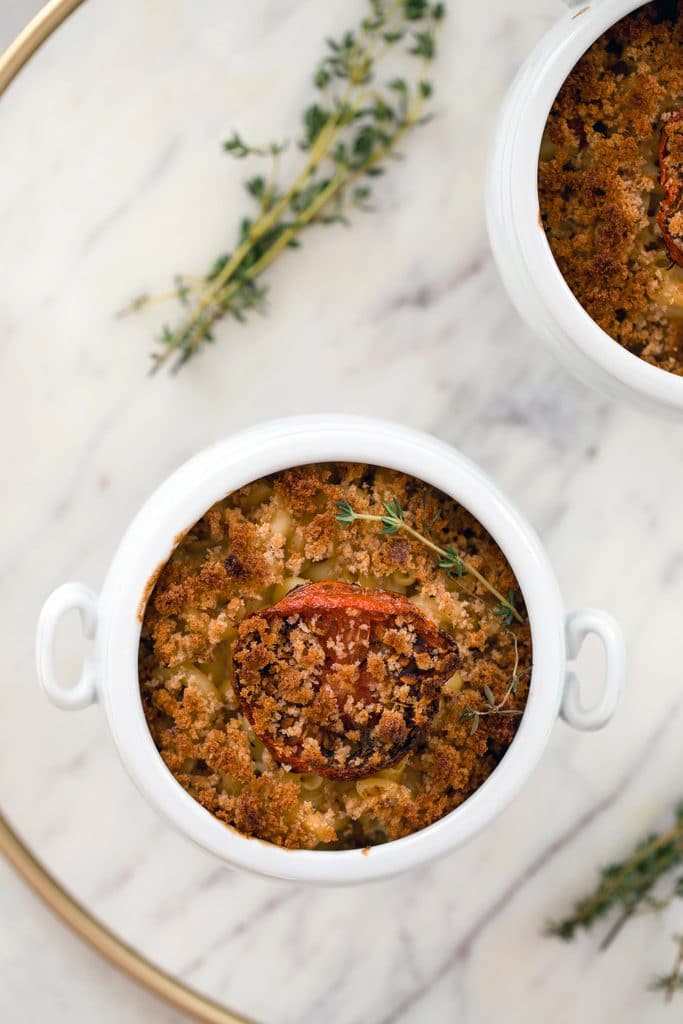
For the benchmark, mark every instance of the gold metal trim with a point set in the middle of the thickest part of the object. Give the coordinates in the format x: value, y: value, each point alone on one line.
x: 123, y: 956
x: 105, y: 942
x: 40, y: 28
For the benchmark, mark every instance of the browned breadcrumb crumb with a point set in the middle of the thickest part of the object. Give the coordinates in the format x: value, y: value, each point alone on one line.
x: 599, y: 182
x: 670, y: 216
x: 244, y: 555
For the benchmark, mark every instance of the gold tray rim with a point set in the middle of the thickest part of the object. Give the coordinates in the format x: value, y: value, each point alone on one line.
x: 80, y: 920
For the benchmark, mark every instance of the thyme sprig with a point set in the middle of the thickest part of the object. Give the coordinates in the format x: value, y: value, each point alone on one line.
x: 355, y: 125
x: 490, y: 705
x: 629, y: 887
x: 453, y: 564
x: 672, y: 982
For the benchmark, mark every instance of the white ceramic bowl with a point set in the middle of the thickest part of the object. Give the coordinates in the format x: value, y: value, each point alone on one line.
x: 519, y: 243
x: 113, y: 620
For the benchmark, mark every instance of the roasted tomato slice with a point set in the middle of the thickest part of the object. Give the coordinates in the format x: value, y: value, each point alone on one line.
x: 339, y: 680
x: 670, y: 215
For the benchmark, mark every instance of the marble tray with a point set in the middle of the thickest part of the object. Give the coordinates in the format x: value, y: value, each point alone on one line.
x: 112, y: 180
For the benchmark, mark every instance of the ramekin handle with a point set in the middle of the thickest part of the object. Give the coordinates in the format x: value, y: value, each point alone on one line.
x: 578, y: 626
x: 68, y: 597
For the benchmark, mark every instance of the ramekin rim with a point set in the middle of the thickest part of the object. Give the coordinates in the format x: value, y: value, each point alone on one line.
x: 118, y: 659
x: 555, y: 55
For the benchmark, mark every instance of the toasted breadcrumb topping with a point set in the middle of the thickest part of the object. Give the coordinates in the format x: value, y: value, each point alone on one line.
x: 340, y: 680
x: 246, y: 554
x: 600, y: 187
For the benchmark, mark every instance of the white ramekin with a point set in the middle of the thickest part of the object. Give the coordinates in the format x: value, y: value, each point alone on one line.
x: 519, y: 243
x: 113, y: 620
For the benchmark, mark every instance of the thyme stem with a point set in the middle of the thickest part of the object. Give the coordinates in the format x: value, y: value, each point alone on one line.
x: 614, y: 882
x: 349, y: 134
x: 444, y: 553
x: 629, y: 887
x: 491, y: 708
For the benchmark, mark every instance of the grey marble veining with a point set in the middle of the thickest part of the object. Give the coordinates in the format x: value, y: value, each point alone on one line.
x: 112, y: 180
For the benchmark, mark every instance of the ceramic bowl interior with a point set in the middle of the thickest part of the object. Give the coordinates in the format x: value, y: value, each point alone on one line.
x: 522, y: 251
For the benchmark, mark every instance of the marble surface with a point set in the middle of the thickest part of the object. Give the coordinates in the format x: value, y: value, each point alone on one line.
x: 112, y: 180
